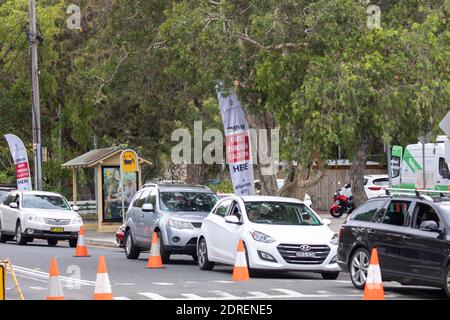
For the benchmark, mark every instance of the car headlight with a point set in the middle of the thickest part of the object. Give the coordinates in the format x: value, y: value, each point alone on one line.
x: 177, y: 224
x: 33, y: 218
x: 335, y: 239
x: 261, y: 237
x: 77, y: 220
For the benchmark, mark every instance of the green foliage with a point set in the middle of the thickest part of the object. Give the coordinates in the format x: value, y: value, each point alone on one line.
x: 224, y: 186
x: 140, y: 69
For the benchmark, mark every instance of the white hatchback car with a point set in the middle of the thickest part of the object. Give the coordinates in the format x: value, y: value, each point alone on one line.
x: 28, y: 215
x: 374, y: 185
x: 278, y: 233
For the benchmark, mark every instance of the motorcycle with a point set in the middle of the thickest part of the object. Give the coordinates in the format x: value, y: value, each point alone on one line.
x: 341, y: 204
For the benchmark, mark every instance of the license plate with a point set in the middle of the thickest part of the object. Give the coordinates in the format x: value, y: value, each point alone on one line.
x: 302, y: 254
x: 57, y: 229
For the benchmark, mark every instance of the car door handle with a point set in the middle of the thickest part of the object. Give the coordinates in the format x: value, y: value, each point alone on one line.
x: 406, y: 237
x: 370, y: 231
x: 142, y: 216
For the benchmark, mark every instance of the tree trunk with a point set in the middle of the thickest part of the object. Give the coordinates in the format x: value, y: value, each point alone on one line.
x: 357, y: 169
x: 265, y: 120
x: 194, y: 174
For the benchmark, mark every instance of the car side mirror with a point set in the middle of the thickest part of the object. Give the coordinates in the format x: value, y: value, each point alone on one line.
x: 429, y: 225
x: 232, y: 219
x: 326, y: 221
x: 75, y: 208
x: 147, y: 207
x: 13, y: 205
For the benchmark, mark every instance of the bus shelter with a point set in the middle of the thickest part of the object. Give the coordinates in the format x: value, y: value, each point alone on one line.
x: 106, y: 165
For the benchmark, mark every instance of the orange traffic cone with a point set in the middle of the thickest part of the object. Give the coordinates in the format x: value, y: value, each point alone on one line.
x: 102, y: 284
x: 81, y: 249
x: 154, y: 260
x: 240, y: 270
x: 373, y: 289
x: 55, y: 291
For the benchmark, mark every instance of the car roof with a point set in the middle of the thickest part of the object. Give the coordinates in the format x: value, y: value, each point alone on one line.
x: 47, y: 193
x: 260, y: 198
x: 377, y: 176
x: 179, y: 187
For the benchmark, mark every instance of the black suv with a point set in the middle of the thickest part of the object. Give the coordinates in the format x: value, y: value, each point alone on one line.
x: 412, y: 237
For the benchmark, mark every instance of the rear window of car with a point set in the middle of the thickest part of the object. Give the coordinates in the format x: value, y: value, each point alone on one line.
x: 381, y: 182
x: 367, y: 211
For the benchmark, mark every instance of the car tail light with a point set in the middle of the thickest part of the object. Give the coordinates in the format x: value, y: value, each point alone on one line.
x: 375, y: 188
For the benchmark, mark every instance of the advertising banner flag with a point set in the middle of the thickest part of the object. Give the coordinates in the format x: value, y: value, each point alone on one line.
x: 237, y: 142
x: 20, y: 157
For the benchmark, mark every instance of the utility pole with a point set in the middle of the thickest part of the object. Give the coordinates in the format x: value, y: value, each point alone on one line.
x: 36, y: 118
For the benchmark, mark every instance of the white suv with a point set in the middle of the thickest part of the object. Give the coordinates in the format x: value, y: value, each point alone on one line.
x: 28, y: 215
x: 278, y: 233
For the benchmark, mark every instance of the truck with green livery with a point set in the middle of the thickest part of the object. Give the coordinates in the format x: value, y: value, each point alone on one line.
x: 409, y: 175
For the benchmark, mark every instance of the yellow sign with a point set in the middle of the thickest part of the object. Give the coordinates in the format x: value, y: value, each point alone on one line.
x: 2, y: 282
x: 129, y: 161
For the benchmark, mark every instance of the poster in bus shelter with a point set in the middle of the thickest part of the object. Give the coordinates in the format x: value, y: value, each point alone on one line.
x: 112, y: 192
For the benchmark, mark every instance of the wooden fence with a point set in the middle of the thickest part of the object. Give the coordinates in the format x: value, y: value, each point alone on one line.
x: 322, y: 193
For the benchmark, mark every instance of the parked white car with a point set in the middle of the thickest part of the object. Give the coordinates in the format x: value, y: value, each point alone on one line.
x: 373, y: 184
x: 278, y: 233
x: 28, y: 215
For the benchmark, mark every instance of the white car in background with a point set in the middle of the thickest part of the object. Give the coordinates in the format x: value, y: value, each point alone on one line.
x: 278, y: 233
x: 373, y: 184
x: 28, y: 215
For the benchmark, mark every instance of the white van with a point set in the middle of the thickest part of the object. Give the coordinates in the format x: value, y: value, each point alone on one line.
x: 410, y: 175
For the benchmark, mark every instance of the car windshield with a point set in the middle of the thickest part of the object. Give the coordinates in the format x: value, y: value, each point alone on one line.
x: 3, y: 195
x: 39, y: 201
x: 187, y: 201
x: 445, y: 209
x: 281, y: 213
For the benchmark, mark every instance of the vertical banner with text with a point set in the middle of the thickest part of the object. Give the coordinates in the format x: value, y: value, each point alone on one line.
x: 20, y: 157
x: 237, y: 142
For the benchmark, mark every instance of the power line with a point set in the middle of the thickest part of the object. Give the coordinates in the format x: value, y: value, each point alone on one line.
x: 11, y: 46
x: 15, y: 58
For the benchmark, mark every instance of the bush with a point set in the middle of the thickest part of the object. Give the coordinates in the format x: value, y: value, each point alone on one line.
x: 224, y: 186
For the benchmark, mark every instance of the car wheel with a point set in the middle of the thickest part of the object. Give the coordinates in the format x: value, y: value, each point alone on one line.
x: 165, y: 255
x: 330, y: 275
x: 131, y: 251
x: 447, y: 281
x: 202, y: 253
x: 52, y: 242
x: 359, y: 264
x: 20, y: 239
x: 73, y: 243
x: 3, y: 237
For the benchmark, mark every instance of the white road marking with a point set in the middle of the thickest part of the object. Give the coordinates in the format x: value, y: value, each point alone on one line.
x: 163, y: 283
x: 259, y: 294
x: 191, y: 296
x: 38, y: 288
x: 290, y: 293
x: 153, y: 296
x: 121, y: 298
x: 224, y: 294
x: 39, y: 275
x: 223, y: 281
x: 190, y: 282
x: 124, y: 284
